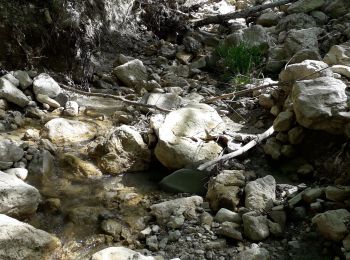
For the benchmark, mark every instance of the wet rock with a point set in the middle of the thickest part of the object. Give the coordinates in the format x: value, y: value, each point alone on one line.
x: 22, y: 241
x: 224, y: 215
x: 279, y: 216
x: 275, y: 228
x: 16, y: 197
x: 44, y: 99
x: 85, y: 215
x: 42, y: 163
x: 254, y: 254
x: 23, y: 79
x: 305, y: 6
x: 260, y: 194
x: 45, y: 85
x: 131, y: 73
x: 60, y: 131
x: 10, y: 151
x: 18, y: 172
x: 255, y: 226
x: 79, y: 167
x: 317, y: 102
x: 182, y: 133
x: 224, y: 189
x: 182, y: 206
x: 12, y: 94
x: 123, y: 151
x: 338, y: 193
x: 331, y: 224
x: 120, y: 253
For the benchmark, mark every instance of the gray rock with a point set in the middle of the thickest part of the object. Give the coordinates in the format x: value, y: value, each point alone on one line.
x: 224, y: 215
x: 42, y: 163
x: 255, y: 226
x: 112, y: 227
x: 338, y: 55
x: 337, y: 8
x: 320, y: 17
x: 12, y: 94
x: 174, y: 235
x: 123, y: 151
x: 228, y: 229
x: 168, y: 101
x: 275, y: 228
x: 260, y: 194
x: 12, y: 79
x: 298, y: 40
x: 182, y: 206
x: 18, y: 172
x: 44, y: 99
x: 296, y: 135
x: 273, y: 147
x: 313, y: 194
x: 284, y: 121
x: 342, y: 70
x: 60, y: 130
x: 152, y: 243
x: 10, y: 151
x: 296, y: 22
x: 255, y: 35
x: 268, y: 19
x: 337, y: 193
x: 331, y: 224
x: 19, y: 240
x: 16, y: 197
x: 45, y: 85
x: 23, y: 78
x: 120, y: 253
x: 254, y: 254
x: 305, y: 6
x: 316, y: 103
x: 224, y: 189
x: 180, y: 136
x: 131, y: 73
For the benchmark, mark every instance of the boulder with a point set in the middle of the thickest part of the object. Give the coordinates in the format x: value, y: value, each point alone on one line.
x: 224, y: 215
x: 183, y: 136
x: 342, y: 70
x: 18, y: 172
x: 302, y: 39
x: 71, y: 108
x: 44, y: 99
x: 120, y: 253
x: 337, y: 8
x: 123, y: 151
x: 295, y: 21
x: 12, y: 79
x: 305, y: 6
x: 166, y: 101
x: 16, y: 197
x: 273, y: 147
x: 318, y: 102
x: 19, y: 240
x: 10, y: 151
x: 268, y: 19
x: 45, y: 85
x: 23, y: 79
x: 255, y: 35
x: 338, y: 55
x: 79, y: 167
x: 283, y: 121
x: 255, y: 226
x: 337, y: 193
x: 260, y: 194
x: 177, y: 207
x: 12, y: 94
x: 60, y: 130
x: 131, y: 73
x: 224, y: 189
x: 332, y: 223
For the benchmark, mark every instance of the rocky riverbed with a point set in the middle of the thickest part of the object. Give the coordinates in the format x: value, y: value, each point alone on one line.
x: 111, y: 172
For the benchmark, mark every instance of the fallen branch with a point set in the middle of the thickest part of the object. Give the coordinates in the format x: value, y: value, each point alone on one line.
x: 129, y: 102
x: 218, y: 19
x: 259, y: 138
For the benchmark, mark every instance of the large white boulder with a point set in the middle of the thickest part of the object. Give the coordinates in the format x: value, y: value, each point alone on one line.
x: 16, y: 197
x: 19, y: 240
x: 45, y: 85
x: 317, y: 104
x: 12, y: 94
x: 183, y: 136
x: 60, y: 130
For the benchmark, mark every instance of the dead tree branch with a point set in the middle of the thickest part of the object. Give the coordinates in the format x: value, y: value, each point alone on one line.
x: 259, y: 138
x: 218, y: 19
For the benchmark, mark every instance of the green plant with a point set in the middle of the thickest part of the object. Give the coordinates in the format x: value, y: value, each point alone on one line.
x: 240, y: 62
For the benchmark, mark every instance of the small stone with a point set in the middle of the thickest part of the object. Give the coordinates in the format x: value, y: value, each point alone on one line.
x: 288, y: 151
x: 312, y: 194
x: 254, y: 253
x: 228, y: 229
x: 23, y: 78
x: 174, y: 235
x: 255, y: 226
x: 298, y: 213
x: 176, y: 222
x: 206, y: 218
x: 284, y: 121
x: 260, y: 193
x: 272, y: 147
x: 152, y: 243
x: 296, y: 135
x: 18, y: 172
x: 282, y: 137
x: 316, y: 206
x: 337, y: 193
x: 224, y: 215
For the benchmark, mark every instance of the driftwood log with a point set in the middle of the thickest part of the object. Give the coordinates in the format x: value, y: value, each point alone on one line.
x: 219, y: 19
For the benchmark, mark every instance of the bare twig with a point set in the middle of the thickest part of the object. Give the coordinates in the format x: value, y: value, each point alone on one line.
x: 217, y: 19
x: 129, y: 102
x: 259, y: 138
